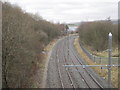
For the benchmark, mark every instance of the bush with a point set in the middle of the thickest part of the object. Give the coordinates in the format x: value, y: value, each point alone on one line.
x: 95, y: 34
x: 24, y: 37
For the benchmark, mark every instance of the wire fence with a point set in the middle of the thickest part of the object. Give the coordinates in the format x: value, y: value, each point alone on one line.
x: 98, y: 59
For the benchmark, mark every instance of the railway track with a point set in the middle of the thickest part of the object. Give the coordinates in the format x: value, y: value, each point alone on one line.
x: 77, y: 68
x: 66, y: 58
x: 60, y: 75
x: 81, y: 63
x: 58, y: 61
x: 67, y: 70
x: 63, y: 77
x: 70, y: 76
x: 65, y: 62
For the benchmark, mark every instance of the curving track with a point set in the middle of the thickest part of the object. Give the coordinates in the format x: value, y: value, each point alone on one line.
x: 59, y: 76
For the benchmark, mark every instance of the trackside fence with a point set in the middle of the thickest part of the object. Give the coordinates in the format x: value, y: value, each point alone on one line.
x: 98, y: 59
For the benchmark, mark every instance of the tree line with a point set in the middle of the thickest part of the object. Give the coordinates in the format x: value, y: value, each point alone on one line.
x: 95, y: 34
x: 24, y: 37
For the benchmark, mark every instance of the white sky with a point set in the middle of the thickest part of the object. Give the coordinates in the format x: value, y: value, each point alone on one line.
x: 70, y: 10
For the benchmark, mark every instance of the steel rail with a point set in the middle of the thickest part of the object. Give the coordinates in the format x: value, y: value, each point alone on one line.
x: 59, y: 72
x: 100, y: 86
x: 68, y: 73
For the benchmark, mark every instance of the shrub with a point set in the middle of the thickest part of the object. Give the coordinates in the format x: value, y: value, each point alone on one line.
x: 24, y: 37
x: 95, y: 34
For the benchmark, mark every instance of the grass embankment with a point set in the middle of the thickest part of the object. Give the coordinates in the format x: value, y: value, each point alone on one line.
x: 101, y: 72
x: 104, y: 53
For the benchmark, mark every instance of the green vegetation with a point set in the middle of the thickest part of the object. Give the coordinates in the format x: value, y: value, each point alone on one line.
x: 95, y: 34
x: 24, y: 37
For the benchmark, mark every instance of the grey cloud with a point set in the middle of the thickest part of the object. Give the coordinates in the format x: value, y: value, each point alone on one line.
x: 70, y: 10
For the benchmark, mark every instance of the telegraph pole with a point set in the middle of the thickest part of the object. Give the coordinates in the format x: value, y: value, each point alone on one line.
x: 109, y: 61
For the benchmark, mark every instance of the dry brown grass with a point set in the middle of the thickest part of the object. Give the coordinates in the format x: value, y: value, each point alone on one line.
x: 101, y: 72
x: 50, y: 45
x: 105, y: 53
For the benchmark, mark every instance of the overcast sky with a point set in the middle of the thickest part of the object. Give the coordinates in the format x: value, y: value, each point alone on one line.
x: 70, y: 10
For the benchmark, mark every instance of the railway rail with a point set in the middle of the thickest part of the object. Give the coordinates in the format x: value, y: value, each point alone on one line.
x: 81, y: 63
x: 63, y: 77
